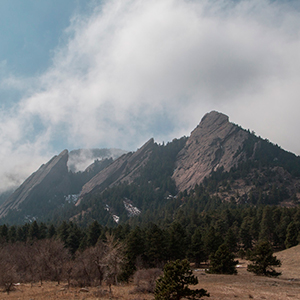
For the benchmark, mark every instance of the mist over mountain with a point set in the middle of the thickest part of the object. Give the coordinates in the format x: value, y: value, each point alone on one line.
x: 219, y: 161
x: 80, y: 159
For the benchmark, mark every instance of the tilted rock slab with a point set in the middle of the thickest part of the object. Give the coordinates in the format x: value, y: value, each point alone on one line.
x: 214, y: 143
x: 124, y: 169
x: 50, y: 177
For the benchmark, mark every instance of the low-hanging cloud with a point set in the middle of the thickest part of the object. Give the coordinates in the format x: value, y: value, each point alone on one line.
x: 135, y: 69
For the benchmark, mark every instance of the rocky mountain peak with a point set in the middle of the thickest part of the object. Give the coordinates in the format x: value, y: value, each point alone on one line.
x: 52, y: 175
x: 124, y: 169
x: 213, y: 143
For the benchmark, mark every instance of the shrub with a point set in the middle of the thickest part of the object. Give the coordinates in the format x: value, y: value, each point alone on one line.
x: 222, y: 262
x: 175, y: 281
x: 263, y: 260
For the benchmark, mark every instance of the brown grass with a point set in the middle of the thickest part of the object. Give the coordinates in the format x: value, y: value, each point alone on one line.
x: 245, y: 285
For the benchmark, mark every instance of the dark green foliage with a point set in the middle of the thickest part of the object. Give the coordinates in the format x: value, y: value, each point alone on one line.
x: 34, y: 231
x: 74, y: 238
x: 292, y: 235
x: 51, y: 231
x: 174, y: 283
x: 196, y: 252
x: 267, y: 225
x: 134, y: 252
x: 94, y: 231
x: 212, y: 241
x: 177, y: 241
x: 156, y: 246
x: 222, y: 262
x: 263, y: 260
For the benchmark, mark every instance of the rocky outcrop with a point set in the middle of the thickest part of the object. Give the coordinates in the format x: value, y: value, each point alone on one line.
x: 125, y: 169
x: 49, y: 178
x: 214, y: 143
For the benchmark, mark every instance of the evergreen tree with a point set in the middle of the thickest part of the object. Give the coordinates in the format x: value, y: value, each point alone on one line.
x: 267, y: 225
x: 196, y: 252
x: 51, y: 231
x: 231, y: 241
x: 43, y: 231
x: 291, y: 236
x: 222, y: 262
x: 34, y: 231
x: 94, y: 231
x: 177, y: 241
x: 263, y: 260
x: 175, y: 281
x: 63, y: 231
x: 12, y: 234
x: 21, y: 237
x: 3, y: 233
x: 156, y: 246
x: 135, y: 246
x: 73, y: 239
x: 212, y: 241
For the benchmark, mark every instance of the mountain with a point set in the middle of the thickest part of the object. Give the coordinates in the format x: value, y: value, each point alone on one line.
x: 79, y: 159
x: 125, y: 169
x: 213, y: 144
x: 53, y: 183
x: 49, y: 178
x: 219, y: 162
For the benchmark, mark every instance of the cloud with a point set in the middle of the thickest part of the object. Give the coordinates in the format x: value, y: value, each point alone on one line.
x: 135, y: 69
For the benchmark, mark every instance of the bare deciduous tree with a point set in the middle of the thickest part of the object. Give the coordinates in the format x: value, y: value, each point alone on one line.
x: 8, y: 272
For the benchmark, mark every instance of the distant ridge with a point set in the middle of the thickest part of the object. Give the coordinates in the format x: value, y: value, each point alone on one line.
x: 50, y: 177
x: 52, y: 182
x: 219, y: 158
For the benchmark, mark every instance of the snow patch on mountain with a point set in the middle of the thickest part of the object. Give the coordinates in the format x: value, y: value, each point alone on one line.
x: 131, y: 210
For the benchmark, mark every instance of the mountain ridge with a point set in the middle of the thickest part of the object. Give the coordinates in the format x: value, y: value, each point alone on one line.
x: 198, y: 159
x: 225, y: 160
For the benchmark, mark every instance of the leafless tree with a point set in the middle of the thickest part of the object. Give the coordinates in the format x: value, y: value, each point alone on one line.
x: 51, y: 258
x: 8, y: 272
x: 114, y: 259
x: 145, y: 279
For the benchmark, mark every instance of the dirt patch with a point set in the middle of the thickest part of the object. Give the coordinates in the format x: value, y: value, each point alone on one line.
x: 246, y: 285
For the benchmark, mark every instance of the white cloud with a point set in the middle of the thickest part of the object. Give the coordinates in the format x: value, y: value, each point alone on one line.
x: 136, y: 69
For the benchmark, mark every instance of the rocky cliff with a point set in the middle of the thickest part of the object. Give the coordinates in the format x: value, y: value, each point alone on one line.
x: 50, y: 187
x: 49, y: 178
x: 125, y: 169
x: 214, y: 143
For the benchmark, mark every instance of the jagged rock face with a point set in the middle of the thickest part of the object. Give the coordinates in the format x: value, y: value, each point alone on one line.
x: 49, y: 178
x: 125, y: 169
x: 214, y: 143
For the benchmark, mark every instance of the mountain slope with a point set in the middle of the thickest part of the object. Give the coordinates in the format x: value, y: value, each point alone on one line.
x: 51, y: 177
x: 213, y: 144
x: 219, y: 162
x: 124, y: 169
x: 53, y: 186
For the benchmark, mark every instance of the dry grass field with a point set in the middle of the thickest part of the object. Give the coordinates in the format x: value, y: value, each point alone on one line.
x: 244, y: 285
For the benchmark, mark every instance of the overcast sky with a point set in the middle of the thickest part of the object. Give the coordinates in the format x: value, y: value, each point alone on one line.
x: 77, y: 73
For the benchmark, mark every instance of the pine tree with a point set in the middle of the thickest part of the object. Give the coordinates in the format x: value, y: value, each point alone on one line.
x: 291, y: 235
x: 222, y: 262
x: 212, y: 241
x: 94, y: 231
x: 177, y: 241
x: 34, y: 231
x: 175, y: 281
x: 263, y: 260
x: 196, y: 252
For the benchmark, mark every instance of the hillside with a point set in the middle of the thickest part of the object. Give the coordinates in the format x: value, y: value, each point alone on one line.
x: 290, y: 259
x: 54, y: 185
x: 220, y: 162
